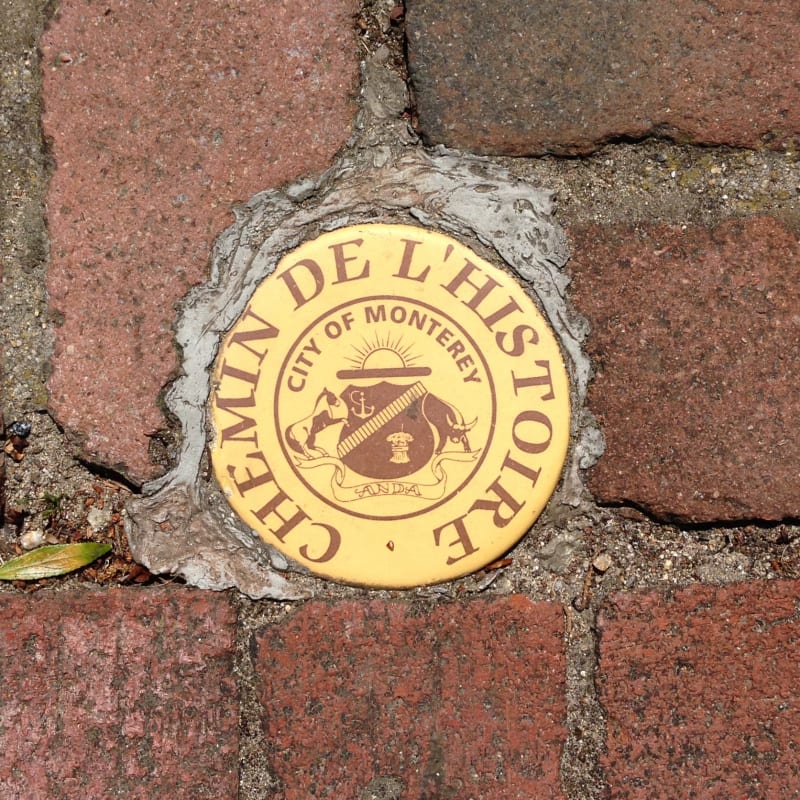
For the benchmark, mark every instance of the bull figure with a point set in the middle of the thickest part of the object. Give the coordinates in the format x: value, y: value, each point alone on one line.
x: 448, y: 422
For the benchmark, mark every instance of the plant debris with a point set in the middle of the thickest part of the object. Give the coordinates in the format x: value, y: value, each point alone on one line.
x: 89, y: 513
x: 52, y: 560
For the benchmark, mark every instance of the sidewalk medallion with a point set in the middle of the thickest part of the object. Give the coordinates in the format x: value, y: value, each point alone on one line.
x: 390, y: 409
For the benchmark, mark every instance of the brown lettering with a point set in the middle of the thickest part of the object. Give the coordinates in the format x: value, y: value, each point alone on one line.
x: 228, y: 371
x: 253, y: 481
x: 504, y: 500
x: 534, y: 417
x: 231, y: 433
x: 445, y: 334
x: 531, y: 474
x: 456, y: 349
x: 314, y: 272
x: 537, y: 380
x: 463, y: 277
x: 296, y: 385
x: 518, y: 336
x: 481, y: 292
x: 507, y: 309
x: 464, y: 363
x: 404, y: 270
x: 375, y: 313
x: 462, y: 539
x: 241, y: 338
x: 334, y: 540
x: 340, y: 260
x: 271, y: 507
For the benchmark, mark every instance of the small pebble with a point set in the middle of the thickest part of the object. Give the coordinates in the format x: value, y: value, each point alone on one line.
x: 99, y: 518
x: 30, y: 540
x: 602, y: 562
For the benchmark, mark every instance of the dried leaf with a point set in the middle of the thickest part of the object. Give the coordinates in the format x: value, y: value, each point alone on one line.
x: 56, y: 559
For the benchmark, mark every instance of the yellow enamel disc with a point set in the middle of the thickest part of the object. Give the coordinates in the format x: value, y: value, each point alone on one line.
x: 390, y: 410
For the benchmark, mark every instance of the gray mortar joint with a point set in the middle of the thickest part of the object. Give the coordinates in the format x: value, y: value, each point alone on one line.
x: 182, y: 525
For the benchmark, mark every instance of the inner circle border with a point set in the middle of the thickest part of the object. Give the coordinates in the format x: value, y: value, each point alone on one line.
x: 287, y: 456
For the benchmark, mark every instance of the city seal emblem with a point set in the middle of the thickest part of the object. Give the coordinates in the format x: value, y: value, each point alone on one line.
x: 390, y: 409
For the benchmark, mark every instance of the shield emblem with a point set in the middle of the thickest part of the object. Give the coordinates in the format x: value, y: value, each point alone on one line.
x: 386, y: 435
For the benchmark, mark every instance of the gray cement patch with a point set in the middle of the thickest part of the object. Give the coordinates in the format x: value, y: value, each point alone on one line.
x: 182, y: 525
x: 24, y: 329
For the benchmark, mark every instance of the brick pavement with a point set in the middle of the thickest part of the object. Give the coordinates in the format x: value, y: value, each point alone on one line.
x: 116, y: 693
x: 135, y: 691
x: 534, y: 78
x: 700, y: 692
x: 459, y: 700
x: 158, y: 126
x: 695, y: 338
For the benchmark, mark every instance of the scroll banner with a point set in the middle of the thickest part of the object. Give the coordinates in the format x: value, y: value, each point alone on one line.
x: 396, y: 488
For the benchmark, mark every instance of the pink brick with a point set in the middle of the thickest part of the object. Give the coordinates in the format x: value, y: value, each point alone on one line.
x: 521, y: 78
x: 461, y: 700
x: 118, y: 693
x: 700, y: 691
x: 162, y: 115
x: 695, y: 336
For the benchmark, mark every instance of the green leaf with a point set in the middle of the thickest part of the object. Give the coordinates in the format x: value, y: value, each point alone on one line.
x: 54, y: 559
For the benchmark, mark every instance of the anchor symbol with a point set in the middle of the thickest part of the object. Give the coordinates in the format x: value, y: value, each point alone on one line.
x: 364, y: 411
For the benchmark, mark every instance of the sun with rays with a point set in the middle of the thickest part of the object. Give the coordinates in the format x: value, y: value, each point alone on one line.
x: 383, y: 357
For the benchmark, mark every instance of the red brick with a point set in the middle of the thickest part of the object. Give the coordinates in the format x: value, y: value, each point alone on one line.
x: 695, y: 336
x: 462, y: 700
x: 520, y: 78
x: 700, y: 691
x: 162, y: 116
x: 119, y: 693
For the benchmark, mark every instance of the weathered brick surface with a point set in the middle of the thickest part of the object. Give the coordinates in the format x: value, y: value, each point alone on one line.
x: 117, y: 693
x: 461, y: 700
x: 700, y: 691
x: 695, y: 336
x: 162, y: 115
x: 519, y: 77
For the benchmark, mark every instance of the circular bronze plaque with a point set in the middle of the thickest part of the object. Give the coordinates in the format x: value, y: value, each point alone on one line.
x: 391, y: 410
